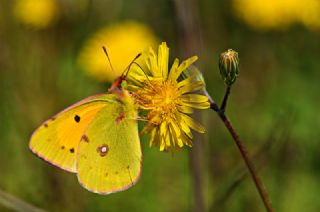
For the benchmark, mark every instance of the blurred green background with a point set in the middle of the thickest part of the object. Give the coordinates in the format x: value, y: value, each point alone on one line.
x: 273, y: 105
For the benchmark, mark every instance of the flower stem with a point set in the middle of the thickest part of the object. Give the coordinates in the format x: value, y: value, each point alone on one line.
x: 225, y: 99
x: 244, y: 153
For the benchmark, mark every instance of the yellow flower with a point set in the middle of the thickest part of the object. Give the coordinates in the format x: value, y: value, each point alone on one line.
x: 168, y: 99
x: 123, y: 41
x: 36, y: 13
x: 275, y: 14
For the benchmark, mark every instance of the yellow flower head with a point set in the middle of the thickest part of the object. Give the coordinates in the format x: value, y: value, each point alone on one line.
x: 168, y: 99
x: 36, y: 13
x: 278, y: 14
x: 123, y: 41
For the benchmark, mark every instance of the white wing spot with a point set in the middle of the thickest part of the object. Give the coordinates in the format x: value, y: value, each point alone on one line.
x: 103, y: 150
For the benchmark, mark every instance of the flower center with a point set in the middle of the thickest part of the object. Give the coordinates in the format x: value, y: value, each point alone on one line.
x: 167, y: 98
x: 162, y: 98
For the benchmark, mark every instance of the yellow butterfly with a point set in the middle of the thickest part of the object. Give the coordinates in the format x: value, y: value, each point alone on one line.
x: 97, y: 138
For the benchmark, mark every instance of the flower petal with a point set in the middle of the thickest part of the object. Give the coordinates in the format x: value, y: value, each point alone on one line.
x: 184, y: 126
x: 173, y: 68
x: 186, y: 81
x: 191, y: 87
x: 152, y: 63
x: 154, y: 137
x: 175, y: 136
x: 185, y: 64
x: 193, y: 124
x: 185, y: 109
x: 186, y: 140
x: 202, y: 105
x: 163, y: 59
x: 194, y: 98
x: 175, y: 127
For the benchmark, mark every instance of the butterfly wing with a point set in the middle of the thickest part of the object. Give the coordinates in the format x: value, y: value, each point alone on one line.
x: 57, y: 139
x: 109, y: 154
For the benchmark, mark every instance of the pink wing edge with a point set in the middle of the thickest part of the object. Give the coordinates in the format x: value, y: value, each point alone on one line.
x: 51, y: 119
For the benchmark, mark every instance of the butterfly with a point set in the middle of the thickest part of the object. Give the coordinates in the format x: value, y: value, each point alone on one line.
x: 96, y: 138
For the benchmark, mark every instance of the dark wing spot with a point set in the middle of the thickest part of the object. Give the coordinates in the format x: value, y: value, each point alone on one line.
x: 85, y: 138
x: 62, y: 147
x: 53, y: 118
x: 128, y: 167
x: 107, y: 174
x: 72, y: 150
x: 116, y: 172
x: 77, y: 118
x: 45, y: 125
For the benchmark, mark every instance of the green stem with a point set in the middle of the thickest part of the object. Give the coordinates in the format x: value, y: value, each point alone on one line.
x: 244, y: 153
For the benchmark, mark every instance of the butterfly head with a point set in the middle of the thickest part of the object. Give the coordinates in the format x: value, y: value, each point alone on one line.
x: 119, y: 84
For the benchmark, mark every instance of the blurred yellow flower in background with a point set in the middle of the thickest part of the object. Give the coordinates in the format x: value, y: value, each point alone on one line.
x: 36, y: 13
x: 278, y: 14
x: 123, y: 41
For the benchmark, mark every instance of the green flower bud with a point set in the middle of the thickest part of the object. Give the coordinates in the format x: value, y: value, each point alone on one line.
x: 229, y: 66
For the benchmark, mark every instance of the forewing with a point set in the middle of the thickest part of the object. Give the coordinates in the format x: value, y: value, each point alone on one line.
x: 58, y: 138
x: 109, y: 155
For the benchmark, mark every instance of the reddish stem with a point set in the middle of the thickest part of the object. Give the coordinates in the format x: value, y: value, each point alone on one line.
x: 244, y: 153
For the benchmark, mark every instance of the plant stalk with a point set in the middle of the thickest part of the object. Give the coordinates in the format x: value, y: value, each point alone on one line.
x: 225, y: 99
x: 244, y: 153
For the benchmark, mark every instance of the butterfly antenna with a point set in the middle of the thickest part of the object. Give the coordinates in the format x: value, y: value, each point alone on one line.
x: 141, y: 70
x: 135, y: 63
x: 106, y: 52
x: 126, y: 70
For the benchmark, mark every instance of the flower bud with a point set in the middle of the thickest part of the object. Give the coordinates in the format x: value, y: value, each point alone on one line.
x: 229, y: 66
